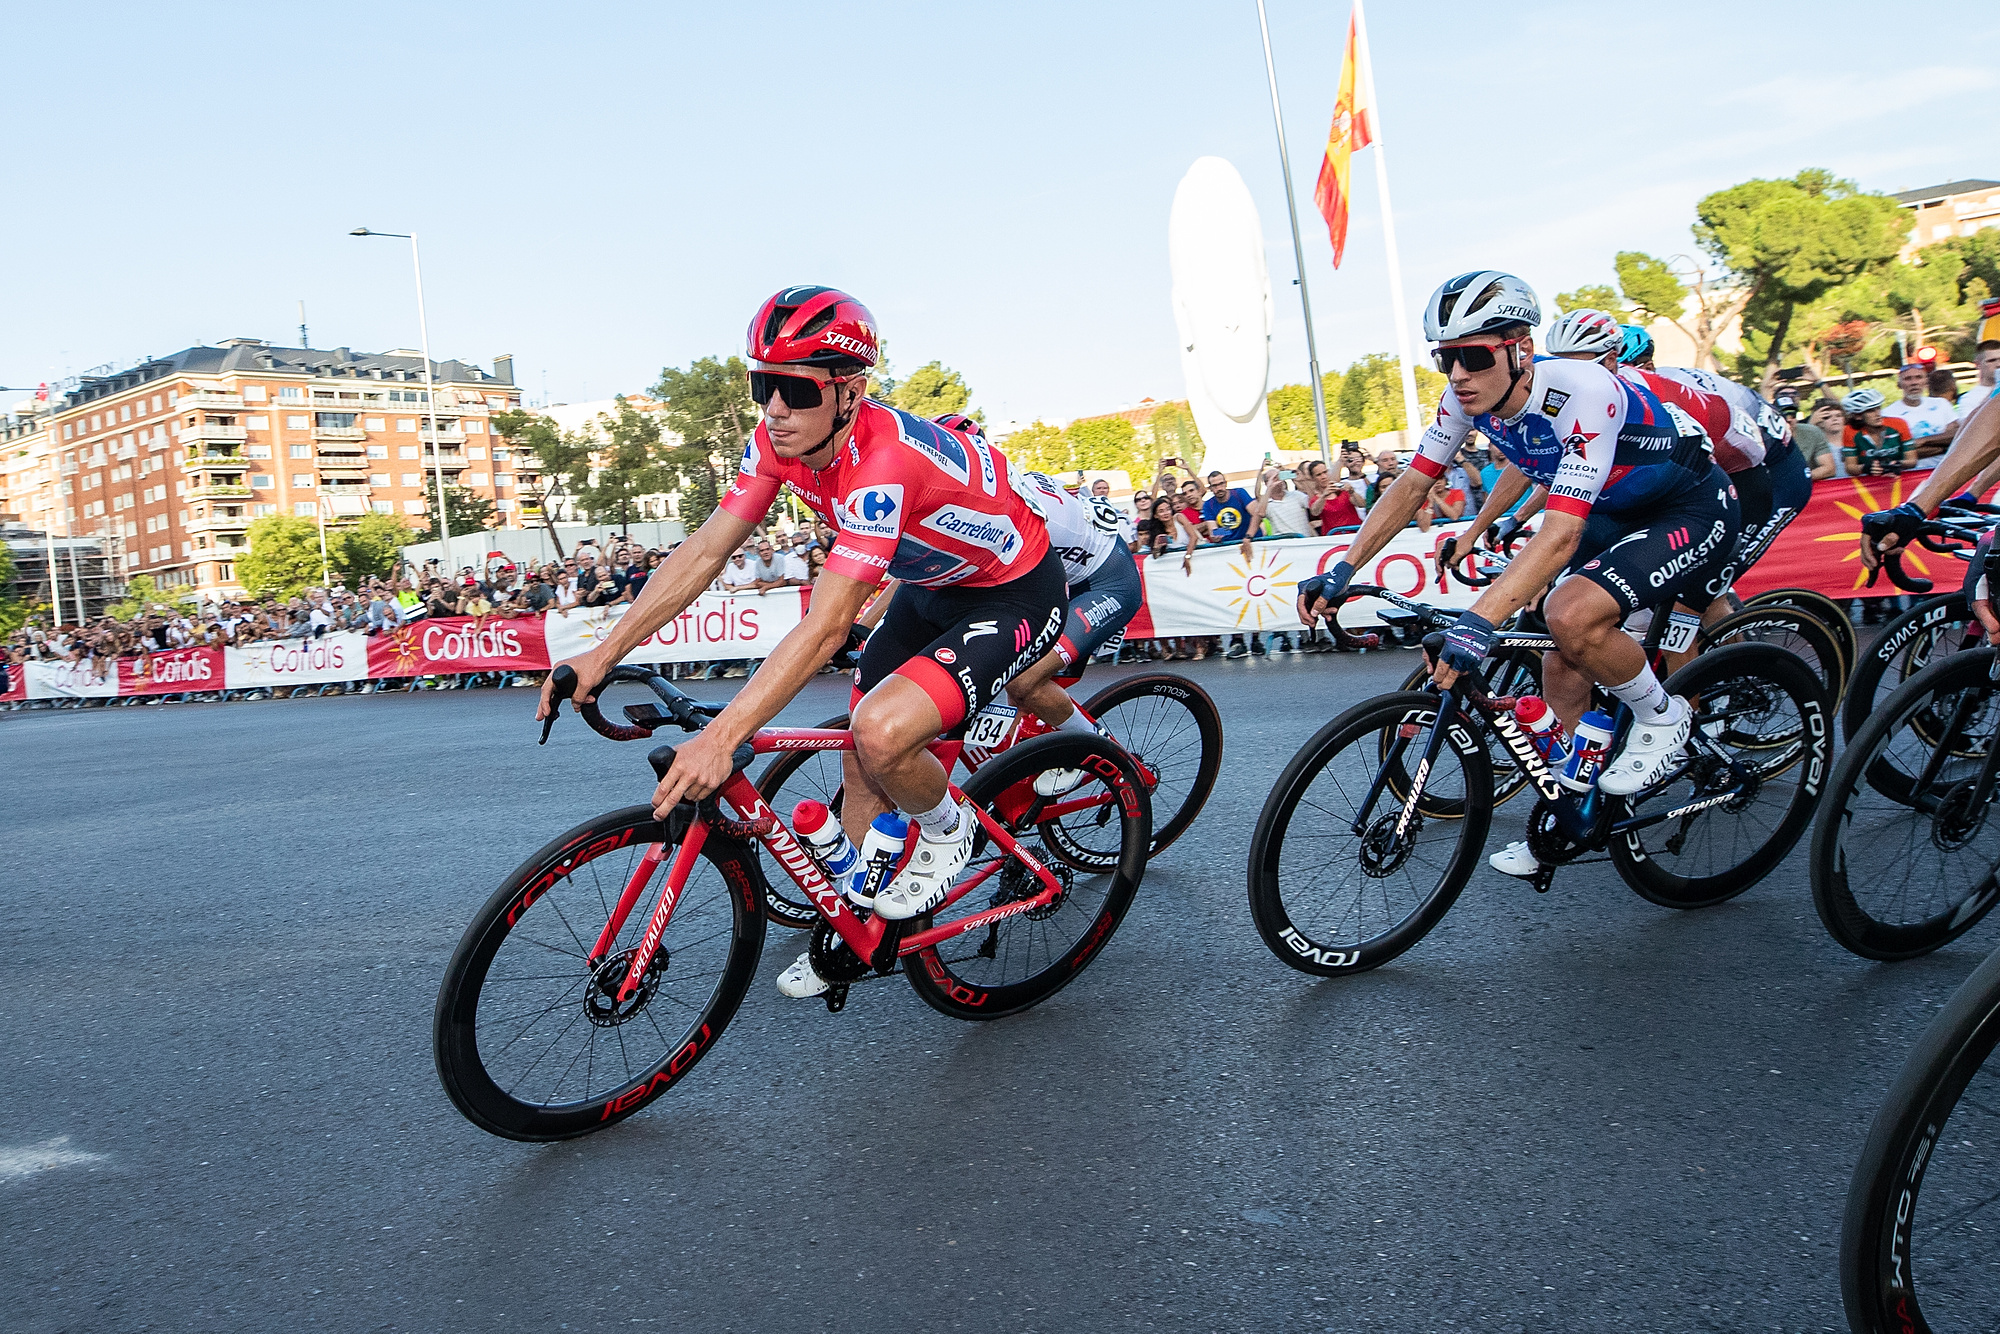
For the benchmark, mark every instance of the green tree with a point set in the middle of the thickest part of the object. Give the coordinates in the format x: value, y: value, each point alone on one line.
x: 1791, y: 242
x: 1038, y: 448
x: 559, y: 457
x: 370, y: 548
x: 13, y: 611
x: 1978, y: 257
x: 627, y: 464
x: 710, y: 413
x: 1594, y: 296
x: 1172, y: 434
x: 283, y: 558
x: 142, y: 594
x: 1290, y: 408
x: 1106, y: 444
x: 930, y: 391
x: 464, y: 511
x: 1371, y: 396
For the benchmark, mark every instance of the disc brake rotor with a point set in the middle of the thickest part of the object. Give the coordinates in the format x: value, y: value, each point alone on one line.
x: 600, y: 999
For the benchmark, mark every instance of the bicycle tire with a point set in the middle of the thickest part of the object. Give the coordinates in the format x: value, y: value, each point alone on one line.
x: 1873, y: 812
x: 1510, y: 671
x: 1289, y: 920
x: 1881, y: 1227
x: 1828, y: 611
x: 1907, y: 644
x: 1736, y: 691
x: 726, y: 906
x: 954, y: 978
x: 1161, y: 746
x: 811, y: 773
x: 1793, y: 629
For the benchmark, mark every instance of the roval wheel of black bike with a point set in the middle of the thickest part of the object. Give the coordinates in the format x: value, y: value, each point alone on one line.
x: 1328, y: 901
x: 531, y: 1042
x: 1762, y: 716
x: 791, y: 777
x: 1022, y: 960
x: 1910, y: 642
x: 1903, y: 863
x: 1172, y: 728
x: 1830, y: 612
x: 1793, y: 629
x: 1922, y: 1208
x: 1510, y: 671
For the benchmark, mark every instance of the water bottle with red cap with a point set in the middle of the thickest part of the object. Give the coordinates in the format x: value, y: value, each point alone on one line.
x: 1545, y: 730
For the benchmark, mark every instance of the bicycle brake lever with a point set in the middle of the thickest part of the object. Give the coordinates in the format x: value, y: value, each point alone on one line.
x: 548, y: 723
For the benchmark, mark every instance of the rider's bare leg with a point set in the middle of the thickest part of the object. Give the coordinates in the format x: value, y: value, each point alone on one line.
x: 1036, y: 690
x: 892, y: 725
x: 1584, y: 621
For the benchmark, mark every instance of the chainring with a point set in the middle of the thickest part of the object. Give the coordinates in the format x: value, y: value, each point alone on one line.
x: 831, y: 958
x: 1546, y: 839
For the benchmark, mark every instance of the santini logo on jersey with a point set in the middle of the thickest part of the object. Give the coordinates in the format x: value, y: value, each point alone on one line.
x: 995, y: 532
x: 873, y: 511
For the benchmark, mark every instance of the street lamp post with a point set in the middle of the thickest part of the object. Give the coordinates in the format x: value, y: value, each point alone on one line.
x: 430, y: 392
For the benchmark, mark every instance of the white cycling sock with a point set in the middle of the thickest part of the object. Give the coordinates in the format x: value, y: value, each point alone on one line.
x: 940, y: 822
x: 1076, y: 722
x: 1645, y: 696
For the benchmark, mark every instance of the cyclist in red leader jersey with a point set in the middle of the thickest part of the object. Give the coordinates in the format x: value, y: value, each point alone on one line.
x: 911, y: 500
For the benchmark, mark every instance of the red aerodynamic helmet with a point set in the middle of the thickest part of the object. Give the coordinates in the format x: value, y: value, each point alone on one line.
x: 958, y: 421
x: 814, y: 326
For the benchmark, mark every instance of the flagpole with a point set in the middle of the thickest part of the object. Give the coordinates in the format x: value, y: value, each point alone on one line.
x: 1412, y: 414
x: 1298, y: 247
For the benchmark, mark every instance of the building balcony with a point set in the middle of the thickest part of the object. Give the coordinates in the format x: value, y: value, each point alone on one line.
x: 339, y: 433
x: 343, y: 462
x: 448, y: 462
x: 219, y: 523
x: 213, y: 459
x: 211, y: 431
x: 346, y: 502
x: 449, y: 435
x: 209, y: 401
x: 217, y: 489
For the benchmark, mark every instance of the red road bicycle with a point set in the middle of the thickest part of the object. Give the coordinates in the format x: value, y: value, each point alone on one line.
x: 565, y: 1008
x: 1166, y: 723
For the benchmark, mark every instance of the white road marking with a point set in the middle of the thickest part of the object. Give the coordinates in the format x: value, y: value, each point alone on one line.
x: 44, y: 1157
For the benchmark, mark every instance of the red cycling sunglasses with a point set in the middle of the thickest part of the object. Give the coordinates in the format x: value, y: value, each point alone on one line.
x: 1472, y: 356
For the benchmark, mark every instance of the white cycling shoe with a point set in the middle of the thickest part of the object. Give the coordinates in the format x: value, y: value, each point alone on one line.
x: 1515, y: 860
x: 800, y: 982
x: 1057, y: 782
x: 1649, y: 748
x: 921, y: 885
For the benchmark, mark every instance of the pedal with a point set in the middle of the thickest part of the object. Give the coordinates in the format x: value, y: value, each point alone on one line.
x: 1543, y: 879
x: 836, y: 997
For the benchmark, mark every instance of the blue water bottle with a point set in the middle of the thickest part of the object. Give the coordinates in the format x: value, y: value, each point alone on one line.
x: 1590, y: 748
x: 881, y: 849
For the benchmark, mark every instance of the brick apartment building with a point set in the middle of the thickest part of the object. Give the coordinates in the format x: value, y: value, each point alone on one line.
x: 174, y: 457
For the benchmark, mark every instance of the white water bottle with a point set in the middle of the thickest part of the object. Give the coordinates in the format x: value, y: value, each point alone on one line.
x: 881, y: 849
x: 827, y: 842
x: 1592, y: 748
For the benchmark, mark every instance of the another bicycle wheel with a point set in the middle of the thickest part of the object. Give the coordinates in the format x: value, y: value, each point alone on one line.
x: 1903, y: 852
x: 791, y: 777
x: 1510, y: 671
x: 1825, y: 610
x: 1171, y: 727
x: 1328, y: 900
x: 1762, y: 732
x: 530, y: 1039
x: 1019, y: 961
x: 1911, y: 642
x: 1793, y: 629
x: 1922, y: 1209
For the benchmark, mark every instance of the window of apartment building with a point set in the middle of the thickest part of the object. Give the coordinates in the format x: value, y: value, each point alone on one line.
x: 413, y: 479
x: 503, y: 505
x: 253, y: 393
x: 258, y: 423
x: 256, y: 451
x: 406, y: 423
x: 187, y: 548
x: 343, y: 421
x: 260, y: 511
x: 475, y: 479
x: 297, y: 422
x: 173, y: 397
x: 180, y: 488
x: 473, y: 426
x: 475, y: 451
x: 302, y: 451
x: 378, y: 451
x: 89, y: 482
x: 156, y: 402
x: 69, y: 432
x: 377, y: 424
x: 302, y: 480
x: 406, y: 451
x: 290, y: 391
x: 304, y: 508
x: 413, y: 507
x: 378, y: 479
x: 141, y: 405
x: 503, y: 479
x: 502, y: 455
x: 125, y: 413
x: 408, y: 396
x: 261, y: 481
x: 382, y: 506
x: 96, y: 422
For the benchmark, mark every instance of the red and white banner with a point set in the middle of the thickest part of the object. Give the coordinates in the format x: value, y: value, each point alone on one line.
x: 280, y: 663
x: 458, y: 644
x: 716, y: 626
x: 62, y: 680
x: 171, y: 673
x: 1821, y: 549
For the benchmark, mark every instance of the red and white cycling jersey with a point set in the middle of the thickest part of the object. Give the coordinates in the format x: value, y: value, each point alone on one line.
x: 1716, y: 403
x: 910, y: 499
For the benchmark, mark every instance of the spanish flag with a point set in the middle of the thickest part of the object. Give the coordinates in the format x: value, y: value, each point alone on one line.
x: 1349, y: 135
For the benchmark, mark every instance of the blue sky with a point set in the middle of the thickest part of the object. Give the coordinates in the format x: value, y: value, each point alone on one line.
x: 604, y: 189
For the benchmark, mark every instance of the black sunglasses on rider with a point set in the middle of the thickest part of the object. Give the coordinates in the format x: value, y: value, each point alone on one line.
x: 798, y: 391
x: 1473, y: 356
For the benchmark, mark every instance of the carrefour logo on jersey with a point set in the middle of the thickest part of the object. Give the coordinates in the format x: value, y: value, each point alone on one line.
x: 995, y: 532
x: 873, y: 511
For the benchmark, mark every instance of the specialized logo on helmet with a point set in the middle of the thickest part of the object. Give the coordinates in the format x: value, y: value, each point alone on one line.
x: 865, y: 350
x: 873, y: 511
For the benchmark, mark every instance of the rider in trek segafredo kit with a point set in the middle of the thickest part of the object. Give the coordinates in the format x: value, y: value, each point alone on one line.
x: 1637, y: 512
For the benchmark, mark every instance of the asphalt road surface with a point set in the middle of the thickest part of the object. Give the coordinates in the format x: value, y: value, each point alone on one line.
x: 225, y: 924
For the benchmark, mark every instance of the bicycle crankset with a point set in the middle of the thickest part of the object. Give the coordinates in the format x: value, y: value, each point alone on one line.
x: 1547, y: 840
x: 600, y: 999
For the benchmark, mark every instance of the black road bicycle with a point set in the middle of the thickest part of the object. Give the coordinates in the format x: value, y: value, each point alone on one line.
x: 1378, y: 822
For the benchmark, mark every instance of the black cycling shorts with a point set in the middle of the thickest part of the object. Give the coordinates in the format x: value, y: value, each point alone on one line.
x: 1099, y: 608
x: 1753, y: 495
x: 1791, y: 479
x: 962, y: 645
x: 1683, y: 550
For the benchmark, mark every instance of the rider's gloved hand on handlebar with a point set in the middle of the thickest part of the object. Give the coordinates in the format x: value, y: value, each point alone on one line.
x: 1319, y: 594
x: 1501, y: 533
x: 1903, y: 523
x: 1468, y: 642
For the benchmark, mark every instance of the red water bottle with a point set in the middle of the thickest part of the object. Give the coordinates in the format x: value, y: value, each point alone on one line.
x: 1545, y: 730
